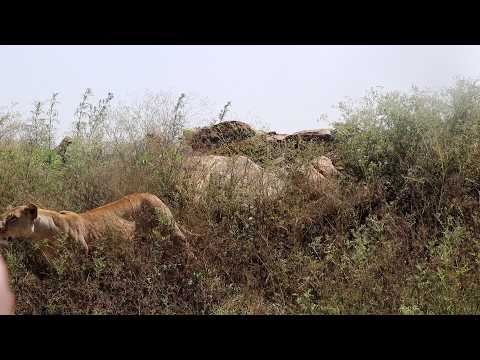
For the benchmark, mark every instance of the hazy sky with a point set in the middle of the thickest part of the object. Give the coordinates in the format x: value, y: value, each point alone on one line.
x: 285, y: 88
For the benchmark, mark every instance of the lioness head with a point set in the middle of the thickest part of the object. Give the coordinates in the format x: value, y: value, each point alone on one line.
x: 18, y: 222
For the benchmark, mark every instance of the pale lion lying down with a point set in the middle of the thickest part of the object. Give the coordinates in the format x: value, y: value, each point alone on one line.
x: 123, y: 218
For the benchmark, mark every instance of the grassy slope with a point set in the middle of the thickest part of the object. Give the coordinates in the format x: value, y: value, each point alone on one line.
x: 397, y: 233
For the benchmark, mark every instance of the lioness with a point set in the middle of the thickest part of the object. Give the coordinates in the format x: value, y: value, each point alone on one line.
x: 124, y: 218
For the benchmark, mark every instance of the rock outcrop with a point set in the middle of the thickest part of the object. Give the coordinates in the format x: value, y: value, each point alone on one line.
x: 211, y: 137
x: 318, y: 135
x: 220, y: 134
x: 237, y: 171
x: 244, y: 175
x: 324, y: 166
x: 274, y: 138
x: 241, y: 172
x: 317, y: 171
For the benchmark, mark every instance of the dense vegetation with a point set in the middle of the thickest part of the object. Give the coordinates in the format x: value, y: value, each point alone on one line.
x: 397, y: 233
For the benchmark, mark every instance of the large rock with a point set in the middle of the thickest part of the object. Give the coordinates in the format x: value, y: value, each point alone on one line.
x: 249, y: 179
x: 318, y: 135
x: 324, y: 166
x: 317, y: 172
x: 274, y: 138
x: 219, y: 134
x: 238, y: 171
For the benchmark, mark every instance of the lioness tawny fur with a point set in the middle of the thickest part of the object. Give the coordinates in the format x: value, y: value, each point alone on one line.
x: 124, y: 218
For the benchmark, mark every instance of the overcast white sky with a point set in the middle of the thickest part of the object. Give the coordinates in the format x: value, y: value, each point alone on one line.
x: 285, y: 88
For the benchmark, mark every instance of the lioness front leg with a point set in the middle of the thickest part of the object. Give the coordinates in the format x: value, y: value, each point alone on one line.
x: 79, y: 238
x: 84, y: 245
x: 180, y: 239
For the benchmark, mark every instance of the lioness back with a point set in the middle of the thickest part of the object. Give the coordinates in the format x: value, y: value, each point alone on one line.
x: 141, y: 208
x: 128, y: 206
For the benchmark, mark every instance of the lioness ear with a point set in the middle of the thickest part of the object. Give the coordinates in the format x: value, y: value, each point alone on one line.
x: 32, y: 211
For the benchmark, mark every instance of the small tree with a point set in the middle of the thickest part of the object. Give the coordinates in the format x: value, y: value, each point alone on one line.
x: 52, y: 119
x: 224, y: 111
x: 177, y: 123
x: 41, y: 125
x: 97, y: 118
x: 37, y: 136
x: 81, y: 113
x: 10, y: 123
x: 91, y: 119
